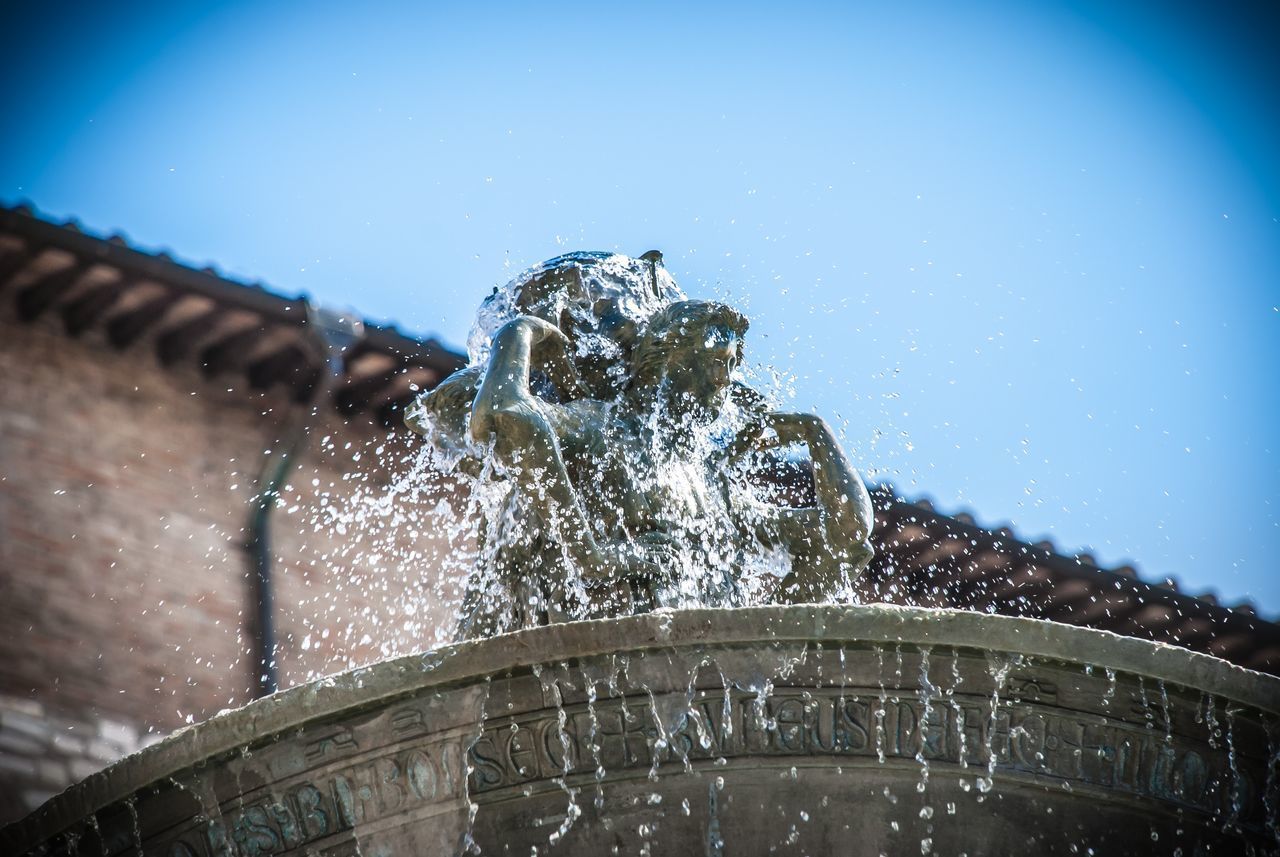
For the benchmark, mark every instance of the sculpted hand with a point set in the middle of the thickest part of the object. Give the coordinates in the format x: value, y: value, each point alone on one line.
x: 786, y: 428
x: 796, y: 428
x: 505, y: 404
x: 550, y: 350
x: 540, y: 332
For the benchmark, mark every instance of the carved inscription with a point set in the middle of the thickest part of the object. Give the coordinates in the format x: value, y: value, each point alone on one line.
x: 339, y: 741
x: 417, y: 773
x: 339, y: 800
x: 1027, y: 738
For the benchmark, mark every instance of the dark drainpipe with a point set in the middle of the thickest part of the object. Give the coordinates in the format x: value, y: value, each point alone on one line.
x: 332, y: 333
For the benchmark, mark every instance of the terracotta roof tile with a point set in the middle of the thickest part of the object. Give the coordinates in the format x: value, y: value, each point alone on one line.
x: 196, y: 315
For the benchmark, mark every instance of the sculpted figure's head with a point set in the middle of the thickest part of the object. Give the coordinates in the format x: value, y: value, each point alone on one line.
x: 687, y: 356
x: 598, y: 300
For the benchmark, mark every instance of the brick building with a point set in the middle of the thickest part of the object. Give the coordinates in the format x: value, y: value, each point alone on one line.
x: 142, y: 407
x: 141, y: 403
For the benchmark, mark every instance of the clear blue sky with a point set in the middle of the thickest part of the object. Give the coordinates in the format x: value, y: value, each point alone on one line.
x: 1029, y: 252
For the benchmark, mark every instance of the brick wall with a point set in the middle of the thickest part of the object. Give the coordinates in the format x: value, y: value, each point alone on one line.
x: 41, y: 752
x: 124, y: 491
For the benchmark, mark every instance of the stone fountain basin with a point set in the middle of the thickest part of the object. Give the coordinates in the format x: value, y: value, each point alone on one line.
x: 794, y: 730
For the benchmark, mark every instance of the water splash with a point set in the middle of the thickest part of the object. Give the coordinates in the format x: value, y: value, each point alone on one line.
x: 957, y: 710
x: 131, y: 806
x: 550, y: 681
x: 1110, y: 693
x: 1164, y: 712
x: 476, y: 529
x: 999, y: 664
x: 1271, y: 785
x: 568, y: 289
x: 468, y: 844
x: 658, y: 745
x: 71, y: 842
x: 1145, y: 703
x: 714, y: 837
x: 1211, y: 721
x: 1237, y: 781
x: 928, y: 692
x: 881, y: 706
x: 97, y: 830
x: 589, y: 683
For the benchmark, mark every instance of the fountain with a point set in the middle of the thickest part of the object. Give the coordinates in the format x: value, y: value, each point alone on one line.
x: 617, y: 459
x: 658, y: 653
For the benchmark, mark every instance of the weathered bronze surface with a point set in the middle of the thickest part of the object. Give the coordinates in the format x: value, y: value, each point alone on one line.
x: 611, y: 411
x: 792, y: 730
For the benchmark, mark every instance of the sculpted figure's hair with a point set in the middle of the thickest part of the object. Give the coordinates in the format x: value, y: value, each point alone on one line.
x: 677, y: 327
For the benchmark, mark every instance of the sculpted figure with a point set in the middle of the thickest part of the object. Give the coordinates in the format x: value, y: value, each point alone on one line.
x: 630, y: 477
x: 597, y: 300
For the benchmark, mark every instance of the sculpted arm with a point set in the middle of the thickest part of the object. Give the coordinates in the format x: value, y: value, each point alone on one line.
x: 523, y: 431
x: 440, y: 416
x: 830, y: 541
x: 527, y: 434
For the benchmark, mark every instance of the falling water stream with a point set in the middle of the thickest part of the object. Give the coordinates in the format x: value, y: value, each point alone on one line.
x: 967, y: 704
x: 667, y: 694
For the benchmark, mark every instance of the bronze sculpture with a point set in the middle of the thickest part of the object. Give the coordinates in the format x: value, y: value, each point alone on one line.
x: 606, y: 409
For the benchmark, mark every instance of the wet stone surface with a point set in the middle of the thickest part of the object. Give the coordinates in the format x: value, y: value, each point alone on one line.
x: 828, y: 746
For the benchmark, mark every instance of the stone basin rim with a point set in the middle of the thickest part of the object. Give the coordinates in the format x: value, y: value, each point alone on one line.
x: 364, y: 687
